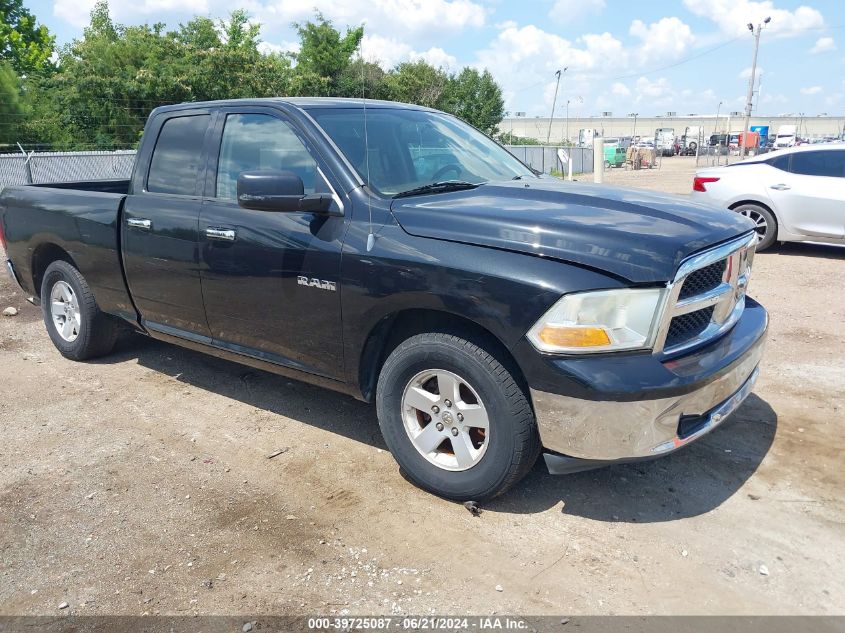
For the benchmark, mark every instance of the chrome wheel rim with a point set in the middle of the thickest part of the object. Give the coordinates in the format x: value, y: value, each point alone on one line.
x: 445, y: 420
x: 64, y: 308
x: 760, y: 224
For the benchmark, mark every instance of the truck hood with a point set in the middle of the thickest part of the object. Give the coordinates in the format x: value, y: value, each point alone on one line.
x: 637, y: 235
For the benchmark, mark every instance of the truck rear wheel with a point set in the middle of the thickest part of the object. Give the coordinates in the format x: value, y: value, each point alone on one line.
x: 455, y: 419
x: 74, y: 322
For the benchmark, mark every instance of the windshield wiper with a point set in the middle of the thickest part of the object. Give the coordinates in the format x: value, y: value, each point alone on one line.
x: 438, y: 187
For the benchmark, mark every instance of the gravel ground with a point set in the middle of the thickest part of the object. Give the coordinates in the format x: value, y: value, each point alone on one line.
x: 141, y: 483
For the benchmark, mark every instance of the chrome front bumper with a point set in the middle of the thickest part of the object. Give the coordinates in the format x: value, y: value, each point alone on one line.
x: 607, y: 431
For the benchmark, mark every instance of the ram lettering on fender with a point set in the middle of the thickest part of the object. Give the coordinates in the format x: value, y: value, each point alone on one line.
x: 313, y: 282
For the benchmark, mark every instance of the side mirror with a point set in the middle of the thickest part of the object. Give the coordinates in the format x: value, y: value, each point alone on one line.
x: 272, y: 190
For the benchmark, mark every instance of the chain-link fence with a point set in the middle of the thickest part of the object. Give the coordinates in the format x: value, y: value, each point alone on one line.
x: 545, y: 158
x: 47, y: 167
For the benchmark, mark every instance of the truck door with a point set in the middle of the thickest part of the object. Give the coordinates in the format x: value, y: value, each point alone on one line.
x: 271, y: 280
x: 159, y: 232
x: 810, y: 196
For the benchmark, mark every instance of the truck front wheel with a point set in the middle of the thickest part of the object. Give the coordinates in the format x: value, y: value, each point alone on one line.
x: 74, y: 322
x: 455, y: 419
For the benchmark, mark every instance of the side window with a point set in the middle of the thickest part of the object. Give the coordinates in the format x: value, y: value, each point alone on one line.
x: 261, y: 141
x: 822, y: 163
x: 175, y: 164
x: 780, y: 162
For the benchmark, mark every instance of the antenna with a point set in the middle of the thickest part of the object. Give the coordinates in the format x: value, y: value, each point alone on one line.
x: 371, y: 238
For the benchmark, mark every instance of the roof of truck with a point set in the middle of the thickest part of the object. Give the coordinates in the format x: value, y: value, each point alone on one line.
x: 305, y: 103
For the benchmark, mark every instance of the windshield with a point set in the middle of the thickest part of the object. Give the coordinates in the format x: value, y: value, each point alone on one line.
x: 409, y: 149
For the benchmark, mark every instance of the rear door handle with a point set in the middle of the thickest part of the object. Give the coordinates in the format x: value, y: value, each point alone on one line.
x: 139, y: 223
x: 780, y: 187
x: 225, y: 235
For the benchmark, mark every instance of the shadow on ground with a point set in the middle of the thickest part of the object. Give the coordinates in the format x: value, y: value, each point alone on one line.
x: 693, y: 481
x: 802, y: 249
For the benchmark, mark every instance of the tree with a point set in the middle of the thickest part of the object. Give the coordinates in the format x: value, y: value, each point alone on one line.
x: 323, y: 55
x: 11, y: 108
x: 477, y: 99
x: 418, y: 82
x: 25, y: 44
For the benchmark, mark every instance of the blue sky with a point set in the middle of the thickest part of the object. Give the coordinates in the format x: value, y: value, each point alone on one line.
x: 622, y: 56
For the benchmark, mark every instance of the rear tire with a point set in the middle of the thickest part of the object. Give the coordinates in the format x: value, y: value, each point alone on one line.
x: 766, y: 225
x: 77, y: 327
x: 436, y: 388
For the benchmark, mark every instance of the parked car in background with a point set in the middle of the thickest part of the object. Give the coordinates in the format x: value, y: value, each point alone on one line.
x: 614, y: 154
x: 796, y: 194
x: 691, y: 140
x: 785, y: 137
x: 664, y: 141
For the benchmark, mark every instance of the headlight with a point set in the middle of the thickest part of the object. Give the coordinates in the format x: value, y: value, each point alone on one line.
x: 601, y: 321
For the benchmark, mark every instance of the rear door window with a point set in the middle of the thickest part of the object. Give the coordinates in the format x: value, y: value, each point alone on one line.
x: 177, y: 157
x: 821, y: 163
x: 780, y: 162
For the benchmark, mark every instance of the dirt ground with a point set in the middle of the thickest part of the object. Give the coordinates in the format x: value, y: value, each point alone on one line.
x: 141, y: 483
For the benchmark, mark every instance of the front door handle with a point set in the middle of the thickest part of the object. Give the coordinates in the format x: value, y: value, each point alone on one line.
x: 225, y: 235
x: 780, y: 187
x: 139, y: 223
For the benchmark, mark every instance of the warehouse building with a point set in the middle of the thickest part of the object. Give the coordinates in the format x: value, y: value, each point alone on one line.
x: 614, y: 126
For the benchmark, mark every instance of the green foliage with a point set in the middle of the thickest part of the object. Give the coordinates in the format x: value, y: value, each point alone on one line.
x: 25, y: 44
x: 509, y: 138
x: 107, y: 82
x: 11, y: 108
x: 324, y: 55
x: 477, y: 99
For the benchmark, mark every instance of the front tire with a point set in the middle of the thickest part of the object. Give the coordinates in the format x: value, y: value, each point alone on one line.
x: 454, y: 417
x: 766, y: 224
x: 77, y: 327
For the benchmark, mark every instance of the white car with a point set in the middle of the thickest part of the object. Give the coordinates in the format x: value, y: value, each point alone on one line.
x: 793, y: 195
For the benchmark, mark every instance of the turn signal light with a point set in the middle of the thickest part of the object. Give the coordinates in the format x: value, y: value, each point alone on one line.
x: 562, y: 336
x: 699, y: 181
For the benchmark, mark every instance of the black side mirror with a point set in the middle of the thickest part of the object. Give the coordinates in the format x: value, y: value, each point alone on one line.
x: 272, y: 190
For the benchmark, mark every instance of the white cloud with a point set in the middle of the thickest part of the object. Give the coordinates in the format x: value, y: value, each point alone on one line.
x: 388, y: 52
x: 417, y: 18
x: 657, y: 92
x: 437, y: 57
x: 668, y: 38
x: 811, y: 90
x: 620, y: 89
x: 570, y: 10
x: 284, y: 47
x: 78, y: 12
x: 823, y: 45
x: 732, y: 16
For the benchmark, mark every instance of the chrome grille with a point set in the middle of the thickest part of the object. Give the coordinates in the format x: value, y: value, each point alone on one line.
x: 707, y: 295
x: 703, y: 279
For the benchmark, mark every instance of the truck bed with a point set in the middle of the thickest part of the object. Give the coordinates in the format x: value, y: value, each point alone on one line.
x: 82, y: 219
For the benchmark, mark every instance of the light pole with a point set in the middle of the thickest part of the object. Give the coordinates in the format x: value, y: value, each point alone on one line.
x: 554, y: 101
x: 567, y: 121
x: 716, y: 122
x: 634, y: 133
x: 748, y: 105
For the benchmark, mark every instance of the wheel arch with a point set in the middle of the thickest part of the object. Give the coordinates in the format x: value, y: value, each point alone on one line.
x: 44, y: 255
x: 758, y: 203
x: 399, y: 326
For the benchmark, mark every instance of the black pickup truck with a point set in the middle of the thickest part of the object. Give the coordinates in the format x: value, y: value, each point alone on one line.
x: 396, y: 254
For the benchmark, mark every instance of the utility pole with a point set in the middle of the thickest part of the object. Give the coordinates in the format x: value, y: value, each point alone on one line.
x: 751, y: 80
x: 634, y: 133
x: 554, y: 102
x: 567, y: 121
